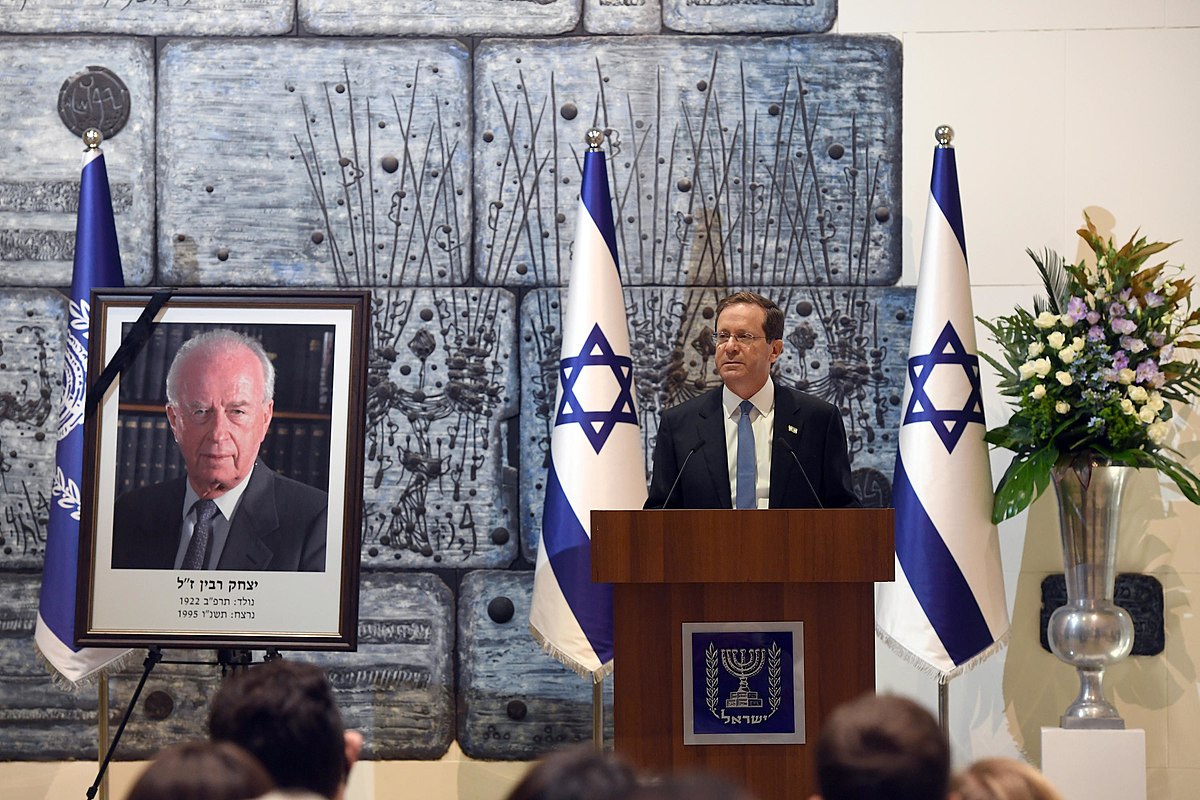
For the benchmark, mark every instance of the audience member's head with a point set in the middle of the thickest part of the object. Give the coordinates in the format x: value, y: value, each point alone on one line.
x: 692, y: 786
x: 283, y: 713
x: 577, y: 773
x: 882, y: 747
x: 1003, y: 779
x: 202, y: 771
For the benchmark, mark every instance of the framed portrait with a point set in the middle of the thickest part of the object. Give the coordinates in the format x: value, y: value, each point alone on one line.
x: 223, y: 468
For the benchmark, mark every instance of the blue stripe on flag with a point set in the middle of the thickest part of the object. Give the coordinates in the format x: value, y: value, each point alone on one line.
x: 568, y: 549
x: 935, y: 577
x: 944, y: 187
x: 594, y: 194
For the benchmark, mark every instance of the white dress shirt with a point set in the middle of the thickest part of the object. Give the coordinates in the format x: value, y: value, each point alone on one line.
x: 762, y: 421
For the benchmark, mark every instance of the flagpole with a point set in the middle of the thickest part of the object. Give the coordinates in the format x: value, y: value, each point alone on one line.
x: 944, y: 708
x: 598, y: 715
x: 102, y: 730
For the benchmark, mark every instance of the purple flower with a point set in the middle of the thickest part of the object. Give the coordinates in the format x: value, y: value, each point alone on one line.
x: 1120, y: 360
x: 1116, y: 310
x: 1093, y: 317
x: 1157, y: 339
x: 1095, y: 334
x: 1123, y: 325
x: 1133, y: 344
x: 1125, y: 295
x: 1076, y: 309
x: 1152, y: 300
x: 1146, y: 371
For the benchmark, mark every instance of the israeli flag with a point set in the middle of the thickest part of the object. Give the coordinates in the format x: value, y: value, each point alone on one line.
x: 946, y: 610
x: 97, y: 264
x: 596, y: 459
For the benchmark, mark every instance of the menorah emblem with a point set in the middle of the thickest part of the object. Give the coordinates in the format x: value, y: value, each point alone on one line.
x: 743, y: 663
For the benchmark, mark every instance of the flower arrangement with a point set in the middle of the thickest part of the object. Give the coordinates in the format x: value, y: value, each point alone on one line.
x: 1093, y: 369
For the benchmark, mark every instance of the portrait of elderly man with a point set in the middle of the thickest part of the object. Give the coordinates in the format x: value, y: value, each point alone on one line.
x: 230, y: 511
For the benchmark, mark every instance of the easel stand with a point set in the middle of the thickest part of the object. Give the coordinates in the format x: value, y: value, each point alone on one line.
x: 230, y: 661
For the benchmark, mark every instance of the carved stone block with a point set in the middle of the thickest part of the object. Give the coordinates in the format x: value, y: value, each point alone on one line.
x: 439, y: 17
x: 749, y: 16
x: 317, y: 163
x: 752, y: 161
x: 150, y: 17
x: 44, y: 82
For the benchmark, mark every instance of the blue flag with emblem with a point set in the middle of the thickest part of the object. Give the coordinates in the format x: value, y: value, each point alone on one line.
x: 596, y: 459
x: 946, y: 610
x: 97, y: 264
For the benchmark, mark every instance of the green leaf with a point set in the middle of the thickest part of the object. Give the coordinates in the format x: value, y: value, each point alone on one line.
x: 1024, y: 481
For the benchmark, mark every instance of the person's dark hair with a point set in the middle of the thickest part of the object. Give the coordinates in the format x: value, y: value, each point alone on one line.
x: 577, y: 773
x: 284, y: 714
x: 202, y: 771
x: 692, y: 785
x: 772, y: 326
x: 882, y: 747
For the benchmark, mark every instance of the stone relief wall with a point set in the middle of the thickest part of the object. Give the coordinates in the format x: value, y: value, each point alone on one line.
x: 443, y: 174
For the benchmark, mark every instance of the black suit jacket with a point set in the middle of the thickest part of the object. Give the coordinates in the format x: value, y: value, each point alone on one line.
x: 809, y: 426
x: 280, y: 525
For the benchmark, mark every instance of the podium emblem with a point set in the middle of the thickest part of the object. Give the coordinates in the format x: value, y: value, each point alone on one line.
x: 743, y: 682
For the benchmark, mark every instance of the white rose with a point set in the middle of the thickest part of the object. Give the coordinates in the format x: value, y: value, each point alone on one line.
x: 1056, y: 340
x: 1147, y: 415
x: 1067, y: 355
x: 1026, y: 371
x: 1067, y: 320
x: 1046, y: 320
x: 1062, y: 406
x: 1126, y: 376
x: 1155, y: 401
x: 1127, y: 406
x: 1064, y: 378
x: 1035, y: 349
x: 1137, y: 394
x: 1038, y: 392
x: 1077, y: 344
x: 1041, y: 367
x: 1158, y: 432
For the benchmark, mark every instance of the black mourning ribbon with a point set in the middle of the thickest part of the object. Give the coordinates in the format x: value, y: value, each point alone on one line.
x: 128, y: 350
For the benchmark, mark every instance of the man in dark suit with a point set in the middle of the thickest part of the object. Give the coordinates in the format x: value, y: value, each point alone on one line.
x: 230, y: 511
x: 751, y: 443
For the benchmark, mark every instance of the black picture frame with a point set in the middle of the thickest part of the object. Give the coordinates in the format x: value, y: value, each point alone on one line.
x: 318, y: 342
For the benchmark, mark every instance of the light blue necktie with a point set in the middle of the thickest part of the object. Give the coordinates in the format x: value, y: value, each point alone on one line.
x: 747, y: 461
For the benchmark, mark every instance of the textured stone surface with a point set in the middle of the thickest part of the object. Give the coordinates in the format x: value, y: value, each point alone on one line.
x: 148, y: 17
x: 31, y: 368
x: 846, y: 345
x: 39, y: 173
x: 622, y: 16
x: 443, y: 378
x: 748, y: 161
x: 439, y: 17
x: 514, y: 700
x: 749, y: 16
x: 302, y: 162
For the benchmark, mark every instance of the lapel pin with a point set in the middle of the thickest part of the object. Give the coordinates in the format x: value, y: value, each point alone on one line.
x: 792, y: 429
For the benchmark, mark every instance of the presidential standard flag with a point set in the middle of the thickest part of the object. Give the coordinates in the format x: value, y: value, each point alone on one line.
x: 97, y: 263
x: 946, y: 610
x: 596, y: 459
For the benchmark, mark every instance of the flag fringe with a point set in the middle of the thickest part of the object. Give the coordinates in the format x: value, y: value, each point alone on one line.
x: 924, y: 666
x: 561, y: 657
x: 63, y: 683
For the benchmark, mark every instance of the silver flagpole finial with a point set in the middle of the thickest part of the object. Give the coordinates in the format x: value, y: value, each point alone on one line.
x: 92, y: 138
x: 594, y: 138
x: 944, y: 135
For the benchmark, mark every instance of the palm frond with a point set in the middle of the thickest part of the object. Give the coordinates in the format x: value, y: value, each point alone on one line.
x: 1054, y: 278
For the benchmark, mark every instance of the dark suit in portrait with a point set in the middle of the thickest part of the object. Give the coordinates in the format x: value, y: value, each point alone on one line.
x: 280, y: 525
x: 809, y: 426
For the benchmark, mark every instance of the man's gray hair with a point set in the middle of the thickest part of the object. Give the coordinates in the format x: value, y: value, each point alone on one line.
x: 221, y: 339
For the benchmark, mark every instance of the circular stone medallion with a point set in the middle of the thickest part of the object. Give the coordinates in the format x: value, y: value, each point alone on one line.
x: 94, y: 98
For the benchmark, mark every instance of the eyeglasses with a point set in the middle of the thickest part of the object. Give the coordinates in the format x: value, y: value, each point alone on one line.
x: 724, y: 337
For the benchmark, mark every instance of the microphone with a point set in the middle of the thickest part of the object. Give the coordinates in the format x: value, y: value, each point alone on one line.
x: 803, y: 472
x: 682, y: 467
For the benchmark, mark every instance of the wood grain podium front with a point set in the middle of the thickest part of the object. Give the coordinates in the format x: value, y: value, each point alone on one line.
x: 818, y: 567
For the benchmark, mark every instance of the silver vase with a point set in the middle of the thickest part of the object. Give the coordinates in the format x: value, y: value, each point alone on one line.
x: 1090, y: 632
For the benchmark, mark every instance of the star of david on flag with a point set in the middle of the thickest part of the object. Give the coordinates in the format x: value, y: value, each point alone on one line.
x: 596, y: 459
x: 946, y: 609
x: 97, y: 264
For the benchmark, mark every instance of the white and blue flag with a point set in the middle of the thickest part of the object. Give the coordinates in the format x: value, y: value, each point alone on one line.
x: 596, y: 459
x: 97, y: 264
x: 946, y: 610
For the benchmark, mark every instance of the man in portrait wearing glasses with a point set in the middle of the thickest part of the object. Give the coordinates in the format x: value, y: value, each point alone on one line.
x: 230, y: 511
x: 751, y: 443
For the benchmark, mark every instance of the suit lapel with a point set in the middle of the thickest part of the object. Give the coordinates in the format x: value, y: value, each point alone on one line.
x: 255, y: 517
x: 789, y: 427
x: 716, y: 457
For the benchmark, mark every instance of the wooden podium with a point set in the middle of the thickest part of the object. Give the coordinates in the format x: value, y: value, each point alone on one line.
x: 670, y: 567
